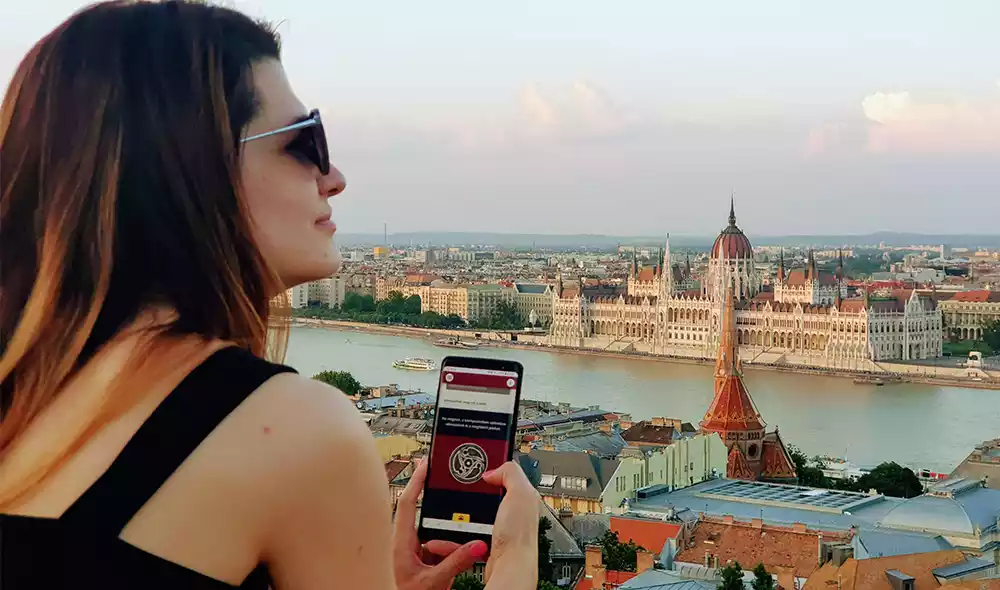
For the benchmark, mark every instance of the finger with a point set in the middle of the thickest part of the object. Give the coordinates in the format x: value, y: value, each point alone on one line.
x: 406, y: 509
x: 511, y: 477
x: 442, y: 548
x: 459, y: 561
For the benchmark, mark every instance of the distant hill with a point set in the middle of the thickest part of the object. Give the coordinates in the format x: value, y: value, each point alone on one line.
x: 684, y: 242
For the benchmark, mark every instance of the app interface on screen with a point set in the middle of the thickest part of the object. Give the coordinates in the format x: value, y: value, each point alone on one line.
x: 474, y: 417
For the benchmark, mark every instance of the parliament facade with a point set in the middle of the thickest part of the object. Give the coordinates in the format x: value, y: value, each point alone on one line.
x: 803, y: 318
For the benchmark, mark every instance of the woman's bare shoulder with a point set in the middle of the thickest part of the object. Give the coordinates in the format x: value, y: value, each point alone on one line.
x: 331, y: 512
x: 316, y: 422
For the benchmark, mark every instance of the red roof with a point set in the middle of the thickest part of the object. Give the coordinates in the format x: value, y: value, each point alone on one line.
x: 737, y: 466
x: 754, y: 542
x: 977, y: 296
x: 731, y: 409
x: 647, y: 274
x: 651, y: 535
x: 776, y: 462
x: 732, y: 242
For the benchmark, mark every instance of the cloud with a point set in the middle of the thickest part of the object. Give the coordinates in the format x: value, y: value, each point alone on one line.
x: 901, y: 123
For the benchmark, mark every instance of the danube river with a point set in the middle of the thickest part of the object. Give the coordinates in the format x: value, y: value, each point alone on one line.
x: 916, y: 425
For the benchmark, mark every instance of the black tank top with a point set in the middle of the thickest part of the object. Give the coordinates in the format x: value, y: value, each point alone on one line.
x: 81, y: 549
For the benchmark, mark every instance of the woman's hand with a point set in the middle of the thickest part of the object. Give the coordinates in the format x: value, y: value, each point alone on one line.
x: 513, y: 562
x: 435, y: 564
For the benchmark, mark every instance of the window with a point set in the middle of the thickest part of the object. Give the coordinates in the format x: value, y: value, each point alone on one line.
x: 547, y: 480
x: 567, y: 571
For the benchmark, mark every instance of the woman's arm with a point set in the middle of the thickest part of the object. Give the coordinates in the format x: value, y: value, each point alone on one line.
x: 332, y: 527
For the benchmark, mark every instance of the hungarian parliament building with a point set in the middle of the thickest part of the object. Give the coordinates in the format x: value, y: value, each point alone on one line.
x: 804, y: 317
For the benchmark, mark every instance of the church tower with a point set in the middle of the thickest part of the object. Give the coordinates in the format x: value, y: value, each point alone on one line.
x: 753, y: 454
x: 733, y: 414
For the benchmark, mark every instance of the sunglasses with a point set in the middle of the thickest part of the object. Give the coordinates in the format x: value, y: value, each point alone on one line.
x: 310, y: 142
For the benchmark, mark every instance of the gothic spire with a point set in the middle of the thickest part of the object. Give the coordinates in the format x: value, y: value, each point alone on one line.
x: 732, y: 209
x: 667, y: 278
x: 840, y: 264
x: 811, y: 267
x: 727, y: 363
x: 781, y: 266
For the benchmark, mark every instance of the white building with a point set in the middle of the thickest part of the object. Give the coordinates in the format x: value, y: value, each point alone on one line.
x: 328, y: 292
x: 804, y: 320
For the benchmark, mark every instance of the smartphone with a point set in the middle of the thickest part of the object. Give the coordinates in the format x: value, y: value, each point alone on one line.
x: 475, y: 421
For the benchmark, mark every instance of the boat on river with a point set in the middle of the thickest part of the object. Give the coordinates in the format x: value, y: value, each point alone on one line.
x: 415, y: 364
x: 455, y: 342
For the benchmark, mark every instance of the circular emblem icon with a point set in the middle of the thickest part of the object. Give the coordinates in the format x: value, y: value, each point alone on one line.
x: 510, y: 383
x: 449, y: 377
x: 467, y: 463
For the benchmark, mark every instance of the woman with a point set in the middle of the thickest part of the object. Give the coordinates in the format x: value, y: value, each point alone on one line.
x: 160, y: 185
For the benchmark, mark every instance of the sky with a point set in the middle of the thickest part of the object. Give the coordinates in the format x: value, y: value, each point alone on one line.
x: 641, y: 117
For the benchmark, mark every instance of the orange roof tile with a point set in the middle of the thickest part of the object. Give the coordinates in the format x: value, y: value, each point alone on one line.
x: 776, y: 462
x: 737, y: 466
x: 977, y: 296
x: 751, y: 543
x: 651, y: 535
x: 869, y: 574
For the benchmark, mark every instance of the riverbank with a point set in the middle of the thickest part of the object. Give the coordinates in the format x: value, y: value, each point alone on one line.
x: 495, y: 339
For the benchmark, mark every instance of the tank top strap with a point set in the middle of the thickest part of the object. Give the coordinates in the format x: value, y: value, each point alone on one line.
x: 172, y: 432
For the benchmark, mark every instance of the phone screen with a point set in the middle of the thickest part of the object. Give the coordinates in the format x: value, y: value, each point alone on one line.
x: 473, y: 432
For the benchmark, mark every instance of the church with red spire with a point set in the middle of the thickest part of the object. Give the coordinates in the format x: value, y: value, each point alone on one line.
x: 754, y: 454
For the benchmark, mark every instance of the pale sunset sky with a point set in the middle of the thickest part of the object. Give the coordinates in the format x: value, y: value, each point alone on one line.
x: 640, y: 117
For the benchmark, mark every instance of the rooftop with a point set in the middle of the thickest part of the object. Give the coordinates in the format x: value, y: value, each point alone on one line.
x: 649, y: 534
x: 790, y: 496
x: 874, y: 574
x: 753, y: 542
x: 717, y: 497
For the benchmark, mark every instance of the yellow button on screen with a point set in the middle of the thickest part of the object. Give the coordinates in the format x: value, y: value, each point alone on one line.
x: 457, y: 517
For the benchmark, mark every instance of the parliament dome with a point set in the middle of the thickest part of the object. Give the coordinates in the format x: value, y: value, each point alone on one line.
x: 732, y: 242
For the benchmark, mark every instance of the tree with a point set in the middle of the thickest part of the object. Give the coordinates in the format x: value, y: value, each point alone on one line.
x: 991, y: 334
x: 544, y: 549
x: 809, y: 475
x: 618, y: 556
x: 467, y: 582
x: 762, y: 580
x: 412, y: 305
x: 547, y: 585
x: 342, y: 380
x: 891, y: 479
x: 732, y: 577
x: 503, y: 317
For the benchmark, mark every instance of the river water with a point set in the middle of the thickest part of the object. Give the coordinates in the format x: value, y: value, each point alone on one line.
x: 923, y: 426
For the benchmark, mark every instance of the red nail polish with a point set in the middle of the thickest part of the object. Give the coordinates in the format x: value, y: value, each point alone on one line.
x: 480, y: 549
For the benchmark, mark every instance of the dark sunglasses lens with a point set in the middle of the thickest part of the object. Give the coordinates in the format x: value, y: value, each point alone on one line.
x: 321, y: 152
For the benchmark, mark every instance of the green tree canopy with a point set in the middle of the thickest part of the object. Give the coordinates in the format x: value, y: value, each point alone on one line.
x: 412, y: 305
x: 732, y: 577
x: 761, y: 579
x: 618, y: 556
x: 342, y: 380
x: 891, y: 479
x: 809, y: 475
x: 504, y: 316
x: 544, y: 549
x: 991, y: 334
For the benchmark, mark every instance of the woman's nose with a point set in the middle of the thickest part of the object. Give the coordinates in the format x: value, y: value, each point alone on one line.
x: 332, y: 184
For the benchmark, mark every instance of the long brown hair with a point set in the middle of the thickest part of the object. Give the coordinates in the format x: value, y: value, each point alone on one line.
x: 119, y: 190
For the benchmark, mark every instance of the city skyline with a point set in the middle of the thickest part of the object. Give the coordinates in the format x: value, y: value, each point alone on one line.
x: 580, y: 119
